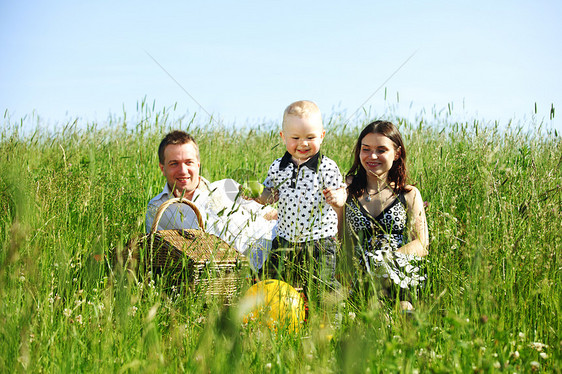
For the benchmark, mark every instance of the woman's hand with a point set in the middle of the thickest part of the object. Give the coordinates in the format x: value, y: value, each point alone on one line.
x: 414, y: 247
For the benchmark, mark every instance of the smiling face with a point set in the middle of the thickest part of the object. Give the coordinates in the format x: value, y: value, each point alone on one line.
x: 377, y: 155
x: 303, y: 136
x: 181, y: 168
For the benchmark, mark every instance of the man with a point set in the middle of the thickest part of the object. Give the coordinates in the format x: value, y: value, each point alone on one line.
x: 239, y: 222
x: 179, y: 162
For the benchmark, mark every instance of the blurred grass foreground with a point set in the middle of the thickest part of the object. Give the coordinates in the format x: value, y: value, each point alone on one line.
x: 493, y: 302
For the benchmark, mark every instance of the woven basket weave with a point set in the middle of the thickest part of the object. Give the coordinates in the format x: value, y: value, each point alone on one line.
x: 202, y: 261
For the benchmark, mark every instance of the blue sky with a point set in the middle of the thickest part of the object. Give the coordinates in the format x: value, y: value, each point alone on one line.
x: 245, y: 61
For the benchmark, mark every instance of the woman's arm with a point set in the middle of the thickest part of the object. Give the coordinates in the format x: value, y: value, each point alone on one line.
x: 417, y: 230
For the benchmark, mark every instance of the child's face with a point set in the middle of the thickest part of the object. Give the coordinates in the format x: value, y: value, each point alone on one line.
x: 303, y: 136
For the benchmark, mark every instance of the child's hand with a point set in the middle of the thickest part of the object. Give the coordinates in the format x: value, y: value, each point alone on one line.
x: 335, y: 197
x: 269, y: 196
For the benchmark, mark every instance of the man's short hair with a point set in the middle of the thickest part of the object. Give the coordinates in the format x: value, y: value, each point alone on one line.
x: 176, y: 137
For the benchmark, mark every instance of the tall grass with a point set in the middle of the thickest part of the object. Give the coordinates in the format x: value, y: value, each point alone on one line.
x: 495, y: 266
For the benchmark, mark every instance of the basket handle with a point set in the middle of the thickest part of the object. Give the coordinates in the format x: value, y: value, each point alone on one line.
x: 167, y: 203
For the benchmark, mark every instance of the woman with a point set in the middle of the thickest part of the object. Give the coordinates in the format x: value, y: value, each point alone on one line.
x: 385, y: 224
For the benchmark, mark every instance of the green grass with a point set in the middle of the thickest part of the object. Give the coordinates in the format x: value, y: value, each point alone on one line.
x: 495, y: 262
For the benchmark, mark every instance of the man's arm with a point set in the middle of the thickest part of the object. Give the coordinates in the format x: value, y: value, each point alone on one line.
x: 151, y: 210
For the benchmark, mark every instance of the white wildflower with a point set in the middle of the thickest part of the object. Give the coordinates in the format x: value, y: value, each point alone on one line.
x: 538, y: 346
x: 535, y: 365
x: 67, y: 312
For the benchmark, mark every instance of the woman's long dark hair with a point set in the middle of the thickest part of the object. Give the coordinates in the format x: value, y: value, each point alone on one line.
x: 396, y: 175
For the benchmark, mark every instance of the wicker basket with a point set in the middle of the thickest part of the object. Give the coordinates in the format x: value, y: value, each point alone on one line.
x: 192, y: 257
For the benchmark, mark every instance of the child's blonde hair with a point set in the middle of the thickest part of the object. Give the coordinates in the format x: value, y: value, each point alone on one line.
x: 301, y: 109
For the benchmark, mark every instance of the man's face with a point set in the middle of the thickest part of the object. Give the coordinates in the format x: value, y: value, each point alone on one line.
x: 181, y: 168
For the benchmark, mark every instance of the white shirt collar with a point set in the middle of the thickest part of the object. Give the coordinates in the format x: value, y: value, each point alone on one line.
x: 168, y: 194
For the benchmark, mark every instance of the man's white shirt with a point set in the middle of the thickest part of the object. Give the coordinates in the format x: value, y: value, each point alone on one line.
x: 238, y: 222
x: 177, y: 216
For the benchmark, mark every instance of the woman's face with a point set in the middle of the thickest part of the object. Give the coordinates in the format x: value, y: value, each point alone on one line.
x: 377, y: 154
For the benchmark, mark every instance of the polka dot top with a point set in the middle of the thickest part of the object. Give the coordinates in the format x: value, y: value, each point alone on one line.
x: 303, y: 212
x: 377, y: 239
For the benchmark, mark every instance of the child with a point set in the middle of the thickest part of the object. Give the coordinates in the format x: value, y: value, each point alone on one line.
x: 385, y: 224
x: 308, y: 187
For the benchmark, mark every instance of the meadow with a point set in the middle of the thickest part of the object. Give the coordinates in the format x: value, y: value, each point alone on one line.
x: 493, y: 301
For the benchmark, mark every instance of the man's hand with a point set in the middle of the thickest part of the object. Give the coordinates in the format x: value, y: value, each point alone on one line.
x: 251, y: 189
x: 271, y: 216
x: 258, y: 193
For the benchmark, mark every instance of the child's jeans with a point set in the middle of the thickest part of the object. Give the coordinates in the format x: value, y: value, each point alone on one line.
x: 304, y: 264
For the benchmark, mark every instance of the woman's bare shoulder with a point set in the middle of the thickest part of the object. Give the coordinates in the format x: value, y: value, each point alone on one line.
x: 408, y: 189
x: 411, y: 193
